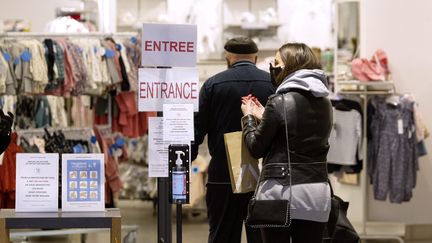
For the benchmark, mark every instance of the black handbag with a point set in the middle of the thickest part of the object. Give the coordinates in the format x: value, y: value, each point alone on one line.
x: 338, y: 228
x: 271, y: 213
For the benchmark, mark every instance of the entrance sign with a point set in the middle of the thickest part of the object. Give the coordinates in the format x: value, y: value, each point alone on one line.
x: 37, y: 182
x: 169, y: 45
x: 167, y: 86
x: 83, y: 182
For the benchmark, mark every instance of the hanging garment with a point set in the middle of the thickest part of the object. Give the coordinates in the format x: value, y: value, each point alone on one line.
x: 81, y: 113
x: 58, y: 113
x: 112, y: 179
x: 59, y: 62
x: 10, y: 81
x: 43, y: 113
x: 112, y: 62
x: 392, y: 159
x: 346, y: 104
x: 128, y: 117
x: 22, y: 72
x: 345, y: 137
x: 70, y: 69
x: 4, y: 69
x: 81, y: 75
x: 25, y: 112
x: 38, y: 65
x: 132, y: 53
x: 7, y: 174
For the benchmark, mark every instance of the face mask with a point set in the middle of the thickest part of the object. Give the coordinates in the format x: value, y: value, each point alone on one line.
x: 274, y: 73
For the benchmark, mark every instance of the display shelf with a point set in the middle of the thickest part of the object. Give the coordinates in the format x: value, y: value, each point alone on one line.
x: 252, y: 26
x: 369, y: 92
x: 365, y: 83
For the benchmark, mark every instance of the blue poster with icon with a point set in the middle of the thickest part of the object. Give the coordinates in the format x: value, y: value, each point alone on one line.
x: 83, y: 182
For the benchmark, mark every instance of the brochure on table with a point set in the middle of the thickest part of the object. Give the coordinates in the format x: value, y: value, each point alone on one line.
x: 83, y: 183
x: 36, y: 182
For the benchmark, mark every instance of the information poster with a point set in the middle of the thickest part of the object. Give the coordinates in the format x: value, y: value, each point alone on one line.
x: 158, y: 149
x: 83, y: 179
x: 37, y: 182
x: 178, y: 123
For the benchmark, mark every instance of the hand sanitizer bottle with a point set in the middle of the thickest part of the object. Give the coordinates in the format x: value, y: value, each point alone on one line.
x: 179, y: 179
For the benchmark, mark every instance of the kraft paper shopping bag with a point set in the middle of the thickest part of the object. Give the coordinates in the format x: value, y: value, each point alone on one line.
x: 243, y: 168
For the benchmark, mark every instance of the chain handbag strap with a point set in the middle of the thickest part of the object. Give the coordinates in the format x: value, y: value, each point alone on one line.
x: 288, y: 215
x: 289, y: 159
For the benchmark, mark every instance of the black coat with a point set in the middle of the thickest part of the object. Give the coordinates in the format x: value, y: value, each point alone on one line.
x: 309, y: 122
x: 220, y: 112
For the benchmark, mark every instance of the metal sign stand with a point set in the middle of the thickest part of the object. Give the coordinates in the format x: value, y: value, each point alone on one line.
x: 164, y: 211
x: 179, y: 223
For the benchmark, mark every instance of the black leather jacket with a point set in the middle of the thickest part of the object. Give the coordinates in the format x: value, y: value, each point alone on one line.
x: 309, y: 122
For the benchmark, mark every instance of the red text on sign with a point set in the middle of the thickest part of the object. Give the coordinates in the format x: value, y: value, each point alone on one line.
x: 164, y: 90
x: 169, y: 46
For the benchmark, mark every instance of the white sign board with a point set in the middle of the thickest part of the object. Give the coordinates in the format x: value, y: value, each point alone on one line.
x: 158, y: 149
x: 37, y: 182
x: 178, y: 123
x: 167, y: 86
x: 83, y: 183
x: 169, y: 45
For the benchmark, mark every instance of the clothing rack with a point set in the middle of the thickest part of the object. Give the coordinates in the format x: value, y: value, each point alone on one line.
x: 14, y: 35
x: 74, y: 133
x: 364, y: 91
x: 11, y: 35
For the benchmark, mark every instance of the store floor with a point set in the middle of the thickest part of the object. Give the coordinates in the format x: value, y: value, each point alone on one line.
x: 195, y: 228
x: 141, y: 214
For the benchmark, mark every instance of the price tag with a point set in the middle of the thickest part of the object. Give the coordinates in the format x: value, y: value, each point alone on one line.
x: 109, y: 53
x: 400, y: 126
x: 26, y: 56
x: 7, y: 56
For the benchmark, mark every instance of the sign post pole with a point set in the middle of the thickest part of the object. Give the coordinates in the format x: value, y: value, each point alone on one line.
x: 179, y: 223
x: 164, y: 211
x: 165, y: 46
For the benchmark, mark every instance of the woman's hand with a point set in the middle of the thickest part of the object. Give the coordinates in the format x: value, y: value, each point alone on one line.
x: 247, y: 107
x: 258, y: 108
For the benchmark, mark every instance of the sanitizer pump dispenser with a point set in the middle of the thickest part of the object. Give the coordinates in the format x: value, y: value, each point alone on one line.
x: 179, y: 178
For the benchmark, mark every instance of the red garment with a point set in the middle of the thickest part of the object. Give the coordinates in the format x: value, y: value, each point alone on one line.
x: 112, y: 179
x: 143, y: 121
x: 7, y: 174
x: 129, y: 121
x: 128, y: 117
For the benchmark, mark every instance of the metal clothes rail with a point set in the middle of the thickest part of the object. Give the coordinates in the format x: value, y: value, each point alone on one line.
x: 12, y: 35
x: 363, y: 89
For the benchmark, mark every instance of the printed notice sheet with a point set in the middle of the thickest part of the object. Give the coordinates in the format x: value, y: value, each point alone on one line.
x: 178, y: 123
x: 83, y: 187
x: 158, y: 149
x: 37, y: 182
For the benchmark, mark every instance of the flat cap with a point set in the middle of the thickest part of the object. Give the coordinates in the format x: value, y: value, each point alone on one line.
x: 241, y: 45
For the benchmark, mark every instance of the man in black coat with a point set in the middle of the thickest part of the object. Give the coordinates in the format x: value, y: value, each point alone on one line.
x: 6, y: 122
x: 220, y: 113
